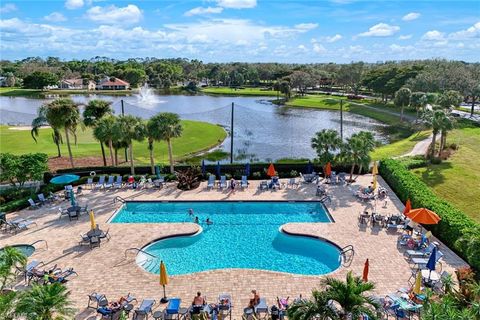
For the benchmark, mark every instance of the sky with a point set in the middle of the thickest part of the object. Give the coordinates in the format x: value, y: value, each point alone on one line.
x: 299, y: 31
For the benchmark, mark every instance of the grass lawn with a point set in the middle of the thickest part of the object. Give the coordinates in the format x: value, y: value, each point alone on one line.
x: 458, y: 179
x: 399, y: 147
x: 21, y: 92
x: 240, y: 92
x: 197, y: 136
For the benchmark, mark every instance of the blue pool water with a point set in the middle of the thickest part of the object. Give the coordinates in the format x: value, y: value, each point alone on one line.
x: 243, y: 235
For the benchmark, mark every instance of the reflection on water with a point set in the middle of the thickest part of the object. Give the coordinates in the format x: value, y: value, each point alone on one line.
x: 262, y: 131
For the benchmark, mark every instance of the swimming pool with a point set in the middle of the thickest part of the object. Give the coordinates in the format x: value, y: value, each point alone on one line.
x: 243, y: 235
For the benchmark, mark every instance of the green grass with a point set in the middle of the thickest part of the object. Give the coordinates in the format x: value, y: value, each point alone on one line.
x: 399, y: 147
x: 197, y: 136
x: 458, y: 178
x: 319, y: 101
x: 21, y: 92
x: 240, y: 92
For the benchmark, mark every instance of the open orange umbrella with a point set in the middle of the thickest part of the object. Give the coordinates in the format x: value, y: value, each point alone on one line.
x: 365, y: 271
x: 271, y: 170
x: 423, y: 216
x: 328, y: 169
x: 408, y: 207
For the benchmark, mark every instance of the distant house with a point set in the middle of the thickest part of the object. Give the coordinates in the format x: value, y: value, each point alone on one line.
x: 112, y: 84
x: 76, y: 84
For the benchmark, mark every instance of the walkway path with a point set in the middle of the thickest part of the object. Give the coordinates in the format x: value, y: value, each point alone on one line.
x: 420, y: 149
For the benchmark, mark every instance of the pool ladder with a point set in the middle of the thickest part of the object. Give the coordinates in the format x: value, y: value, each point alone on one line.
x: 46, y: 243
x: 148, y: 263
x: 119, y: 199
x: 347, y: 259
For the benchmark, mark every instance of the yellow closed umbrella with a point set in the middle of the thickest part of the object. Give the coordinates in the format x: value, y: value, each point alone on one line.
x: 375, y: 168
x: 374, y: 182
x: 163, y: 281
x: 93, y: 224
x: 418, y: 283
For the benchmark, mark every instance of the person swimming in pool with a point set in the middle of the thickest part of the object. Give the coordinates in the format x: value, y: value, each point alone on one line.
x: 190, y: 212
x: 208, y: 221
x: 196, y: 220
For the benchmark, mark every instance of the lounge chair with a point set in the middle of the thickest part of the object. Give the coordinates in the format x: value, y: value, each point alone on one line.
x: 263, y: 185
x: 119, y: 182
x: 42, y: 198
x: 20, y: 224
x: 144, y: 309
x: 89, y: 183
x: 225, y: 305
x: 105, y: 235
x: 100, y: 183
x: 421, y: 262
x: 223, y: 182
x: 29, y: 267
x: 244, y: 182
x: 420, y: 253
x: 109, y: 184
x: 98, y: 299
x: 292, y: 183
x: 342, y: 178
x: 63, y: 212
x: 85, y: 240
x: 211, y: 182
x: 262, y: 308
x: 61, y: 276
x: 33, y: 204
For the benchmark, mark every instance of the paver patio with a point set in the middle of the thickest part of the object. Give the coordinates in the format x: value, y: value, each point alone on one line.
x: 111, y: 271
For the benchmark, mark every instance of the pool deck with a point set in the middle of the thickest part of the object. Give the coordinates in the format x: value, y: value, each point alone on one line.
x: 111, y: 271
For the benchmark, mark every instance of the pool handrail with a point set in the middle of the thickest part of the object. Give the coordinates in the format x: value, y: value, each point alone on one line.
x: 35, y: 242
x: 120, y: 199
x: 345, y: 250
x: 139, y: 250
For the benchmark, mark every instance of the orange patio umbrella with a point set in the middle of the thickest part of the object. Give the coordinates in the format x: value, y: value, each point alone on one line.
x: 328, y: 169
x: 271, y: 170
x: 423, y: 216
x: 365, y: 271
x: 408, y: 207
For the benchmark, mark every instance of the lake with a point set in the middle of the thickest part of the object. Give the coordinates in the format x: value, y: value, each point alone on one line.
x: 262, y: 130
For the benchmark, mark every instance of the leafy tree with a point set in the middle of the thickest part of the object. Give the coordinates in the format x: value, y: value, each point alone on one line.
x: 165, y: 126
x: 10, y: 79
x: 434, y: 119
x: 447, y: 124
x: 351, y: 75
x: 39, y: 80
x: 10, y: 259
x: 356, y: 150
x: 45, y: 302
x: 136, y: 77
x: 130, y: 128
x: 40, y: 121
x: 301, y: 80
x: 402, y: 99
x: 64, y: 113
x: 450, y: 99
x: 315, y: 308
x: 20, y: 169
x: 93, y: 112
x: 418, y: 100
x: 7, y: 305
x: 326, y: 142
x: 104, y: 131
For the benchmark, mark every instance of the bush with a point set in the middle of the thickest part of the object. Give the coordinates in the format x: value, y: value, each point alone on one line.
x: 257, y: 175
x: 456, y: 229
x: 414, y: 162
x: 293, y: 174
x: 436, y: 160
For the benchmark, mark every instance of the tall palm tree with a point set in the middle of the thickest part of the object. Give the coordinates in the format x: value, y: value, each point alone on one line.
x: 356, y: 150
x: 165, y: 126
x: 104, y: 132
x: 93, y: 112
x: 433, y: 119
x: 40, y: 121
x: 130, y: 128
x: 447, y: 123
x: 315, y: 308
x: 326, y: 142
x: 45, y: 303
x: 64, y: 113
x: 402, y: 99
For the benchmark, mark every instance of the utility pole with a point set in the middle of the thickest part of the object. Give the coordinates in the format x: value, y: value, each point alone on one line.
x: 231, y: 136
x: 341, y: 120
x: 123, y: 113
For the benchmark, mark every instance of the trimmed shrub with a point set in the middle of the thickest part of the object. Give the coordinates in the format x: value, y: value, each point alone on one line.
x: 455, y: 224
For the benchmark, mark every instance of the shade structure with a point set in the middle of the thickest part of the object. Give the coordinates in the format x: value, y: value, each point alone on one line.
x: 328, y: 169
x: 375, y: 168
x: 64, y: 179
x: 163, y: 280
x: 423, y: 216
x: 93, y: 224
x: 408, y: 207
x: 374, y: 186
x: 309, y: 168
x: 366, y: 268
x: 247, y: 169
x: 432, y: 260
x: 218, y: 169
x: 203, y: 167
x: 418, y: 283
x: 271, y: 170
x: 73, y: 201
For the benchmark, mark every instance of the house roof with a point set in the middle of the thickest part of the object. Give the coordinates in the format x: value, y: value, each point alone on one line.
x: 116, y: 82
x: 73, y: 81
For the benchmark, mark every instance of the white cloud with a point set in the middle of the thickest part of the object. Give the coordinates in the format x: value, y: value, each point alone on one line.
x: 203, y: 10
x: 8, y: 7
x: 306, y: 26
x: 302, y: 48
x: 405, y: 37
x: 398, y: 48
x: 411, y: 16
x: 55, y: 17
x: 334, y: 38
x: 472, y: 32
x: 74, y: 4
x: 237, y: 4
x: 112, y: 15
x: 318, y: 48
x: 380, y: 30
x: 433, y: 35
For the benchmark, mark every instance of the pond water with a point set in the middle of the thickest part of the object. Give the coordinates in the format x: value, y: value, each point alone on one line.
x: 262, y: 130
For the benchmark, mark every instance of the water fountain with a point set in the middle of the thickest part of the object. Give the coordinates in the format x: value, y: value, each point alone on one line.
x: 147, y: 96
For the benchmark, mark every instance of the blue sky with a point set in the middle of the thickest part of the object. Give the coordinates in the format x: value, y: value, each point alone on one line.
x: 242, y: 30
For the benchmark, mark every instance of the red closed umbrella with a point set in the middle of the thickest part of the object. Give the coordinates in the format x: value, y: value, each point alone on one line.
x: 271, y: 170
x: 408, y: 207
x: 328, y: 169
x: 365, y: 271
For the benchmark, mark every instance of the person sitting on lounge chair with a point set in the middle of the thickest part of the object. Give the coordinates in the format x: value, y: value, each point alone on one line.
x: 255, y: 300
x: 199, y: 300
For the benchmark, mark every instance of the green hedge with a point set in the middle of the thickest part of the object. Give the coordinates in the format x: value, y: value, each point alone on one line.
x: 456, y: 229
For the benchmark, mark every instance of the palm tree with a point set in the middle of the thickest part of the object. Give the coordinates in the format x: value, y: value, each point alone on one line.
x: 40, y: 121
x: 10, y: 258
x: 326, y: 142
x: 130, y: 128
x: 434, y: 120
x: 45, y: 302
x: 402, y: 99
x: 164, y: 126
x: 316, y: 308
x: 104, y: 132
x: 447, y: 123
x: 357, y: 150
x: 64, y: 113
x: 93, y: 112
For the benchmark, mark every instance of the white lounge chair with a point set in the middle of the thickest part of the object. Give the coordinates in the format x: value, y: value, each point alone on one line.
x: 292, y: 183
x: 42, y: 198
x: 110, y: 182
x: 244, y: 182
x: 89, y: 183
x: 422, y: 262
x: 420, y: 253
x: 33, y: 204
x: 100, y: 183
x: 223, y: 182
x: 211, y: 182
